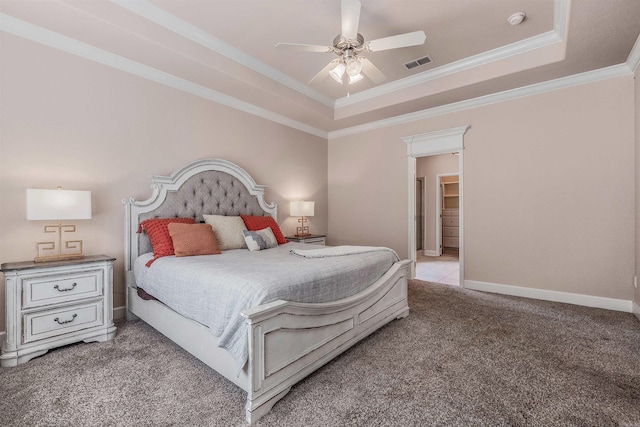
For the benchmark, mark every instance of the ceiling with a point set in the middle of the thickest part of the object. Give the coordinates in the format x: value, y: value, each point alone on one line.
x: 224, y: 50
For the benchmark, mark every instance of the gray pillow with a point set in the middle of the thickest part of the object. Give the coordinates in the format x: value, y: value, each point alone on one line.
x: 261, y: 239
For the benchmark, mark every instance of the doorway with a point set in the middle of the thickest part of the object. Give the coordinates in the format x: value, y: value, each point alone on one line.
x: 446, y: 142
x: 437, y: 255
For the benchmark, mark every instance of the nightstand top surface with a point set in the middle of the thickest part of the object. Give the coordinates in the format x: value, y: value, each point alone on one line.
x: 26, y: 265
x: 311, y: 236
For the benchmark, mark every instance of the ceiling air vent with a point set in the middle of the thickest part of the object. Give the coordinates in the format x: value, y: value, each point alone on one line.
x: 418, y: 62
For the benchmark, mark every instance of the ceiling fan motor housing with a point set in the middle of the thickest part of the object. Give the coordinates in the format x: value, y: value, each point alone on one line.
x: 341, y: 44
x: 348, y: 50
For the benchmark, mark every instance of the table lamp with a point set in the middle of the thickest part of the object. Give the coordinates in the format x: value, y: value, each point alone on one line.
x: 302, y: 209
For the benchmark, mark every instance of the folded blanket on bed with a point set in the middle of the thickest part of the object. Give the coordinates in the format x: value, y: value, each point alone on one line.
x: 331, y: 251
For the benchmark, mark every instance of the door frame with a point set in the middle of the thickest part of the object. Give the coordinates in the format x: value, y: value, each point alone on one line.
x: 430, y: 144
x: 420, y: 215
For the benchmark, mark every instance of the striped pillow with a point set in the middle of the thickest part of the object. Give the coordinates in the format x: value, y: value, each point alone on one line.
x: 255, y: 223
x: 259, y: 240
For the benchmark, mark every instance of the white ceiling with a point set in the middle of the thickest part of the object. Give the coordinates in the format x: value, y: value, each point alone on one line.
x: 225, y: 49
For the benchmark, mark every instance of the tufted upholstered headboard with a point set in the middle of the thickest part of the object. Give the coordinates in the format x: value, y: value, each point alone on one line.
x: 207, y: 186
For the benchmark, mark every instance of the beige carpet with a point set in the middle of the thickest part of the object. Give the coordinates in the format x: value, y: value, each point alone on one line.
x: 461, y: 358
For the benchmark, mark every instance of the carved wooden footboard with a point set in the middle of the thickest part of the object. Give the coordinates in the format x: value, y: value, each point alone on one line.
x: 288, y: 341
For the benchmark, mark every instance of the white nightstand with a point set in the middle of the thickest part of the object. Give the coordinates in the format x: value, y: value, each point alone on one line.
x: 313, y: 239
x: 50, y: 304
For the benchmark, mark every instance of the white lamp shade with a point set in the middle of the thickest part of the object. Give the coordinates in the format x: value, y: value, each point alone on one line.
x: 301, y: 208
x: 337, y: 72
x: 354, y: 79
x: 58, y: 204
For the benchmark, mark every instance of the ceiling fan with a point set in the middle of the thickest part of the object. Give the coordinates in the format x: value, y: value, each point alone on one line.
x: 350, y: 46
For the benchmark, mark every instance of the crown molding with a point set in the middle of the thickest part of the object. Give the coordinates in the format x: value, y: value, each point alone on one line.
x: 633, y: 60
x: 535, y: 89
x: 50, y: 38
x: 172, y: 23
x: 561, y: 17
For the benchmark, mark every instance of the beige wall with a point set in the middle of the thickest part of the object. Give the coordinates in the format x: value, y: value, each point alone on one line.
x: 548, y: 185
x: 429, y: 167
x: 75, y: 123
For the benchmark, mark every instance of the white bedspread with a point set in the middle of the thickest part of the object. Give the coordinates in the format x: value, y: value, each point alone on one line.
x: 214, y: 289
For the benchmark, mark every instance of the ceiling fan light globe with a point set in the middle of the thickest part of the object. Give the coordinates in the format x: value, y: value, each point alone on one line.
x: 354, y: 79
x: 354, y: 67
x: 337, y: 73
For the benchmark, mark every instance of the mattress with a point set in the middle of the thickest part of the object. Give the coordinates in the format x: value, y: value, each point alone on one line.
x: 214, y: 289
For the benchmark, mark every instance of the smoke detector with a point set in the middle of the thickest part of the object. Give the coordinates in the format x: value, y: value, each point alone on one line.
x: 516, y: 18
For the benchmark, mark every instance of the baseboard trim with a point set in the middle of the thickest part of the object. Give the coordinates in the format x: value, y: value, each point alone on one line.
x: 636, y: 310
x: 555, y: 296
x: 430, y: 253
x: 119, y: 312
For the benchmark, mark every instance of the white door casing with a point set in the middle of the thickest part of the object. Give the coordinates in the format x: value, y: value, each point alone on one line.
x: 429, y: 144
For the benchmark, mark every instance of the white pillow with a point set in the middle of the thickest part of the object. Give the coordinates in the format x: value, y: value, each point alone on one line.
x: 261, y: 239
x: 228, y: 231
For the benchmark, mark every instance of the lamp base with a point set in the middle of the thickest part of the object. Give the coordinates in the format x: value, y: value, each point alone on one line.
x: 303, y: 230
x: 49, y: 258
x: 50, y: 246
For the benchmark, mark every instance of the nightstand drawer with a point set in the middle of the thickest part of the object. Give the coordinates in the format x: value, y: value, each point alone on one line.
x: 45, y: 290
x: 49, y: 323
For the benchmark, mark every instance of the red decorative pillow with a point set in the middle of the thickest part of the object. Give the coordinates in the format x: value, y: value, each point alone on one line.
x: 255, y: 223
x: 156, y: 229
x: 193, y: 239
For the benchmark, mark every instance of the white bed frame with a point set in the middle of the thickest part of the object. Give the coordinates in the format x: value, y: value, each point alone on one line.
x: 287, y: 340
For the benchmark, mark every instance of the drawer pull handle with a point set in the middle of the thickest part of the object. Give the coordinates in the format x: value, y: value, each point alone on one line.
x: 67, y: 289
x: 65, y: 321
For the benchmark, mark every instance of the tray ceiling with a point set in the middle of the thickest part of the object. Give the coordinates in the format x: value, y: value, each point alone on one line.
x: 225, y: 49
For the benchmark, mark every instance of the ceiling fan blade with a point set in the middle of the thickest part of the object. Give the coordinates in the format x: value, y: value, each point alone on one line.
x: 401, y: 40
x: 303, y: 47
x: 350, y: 19
x: 325, y: 71
x: 371, y: 71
